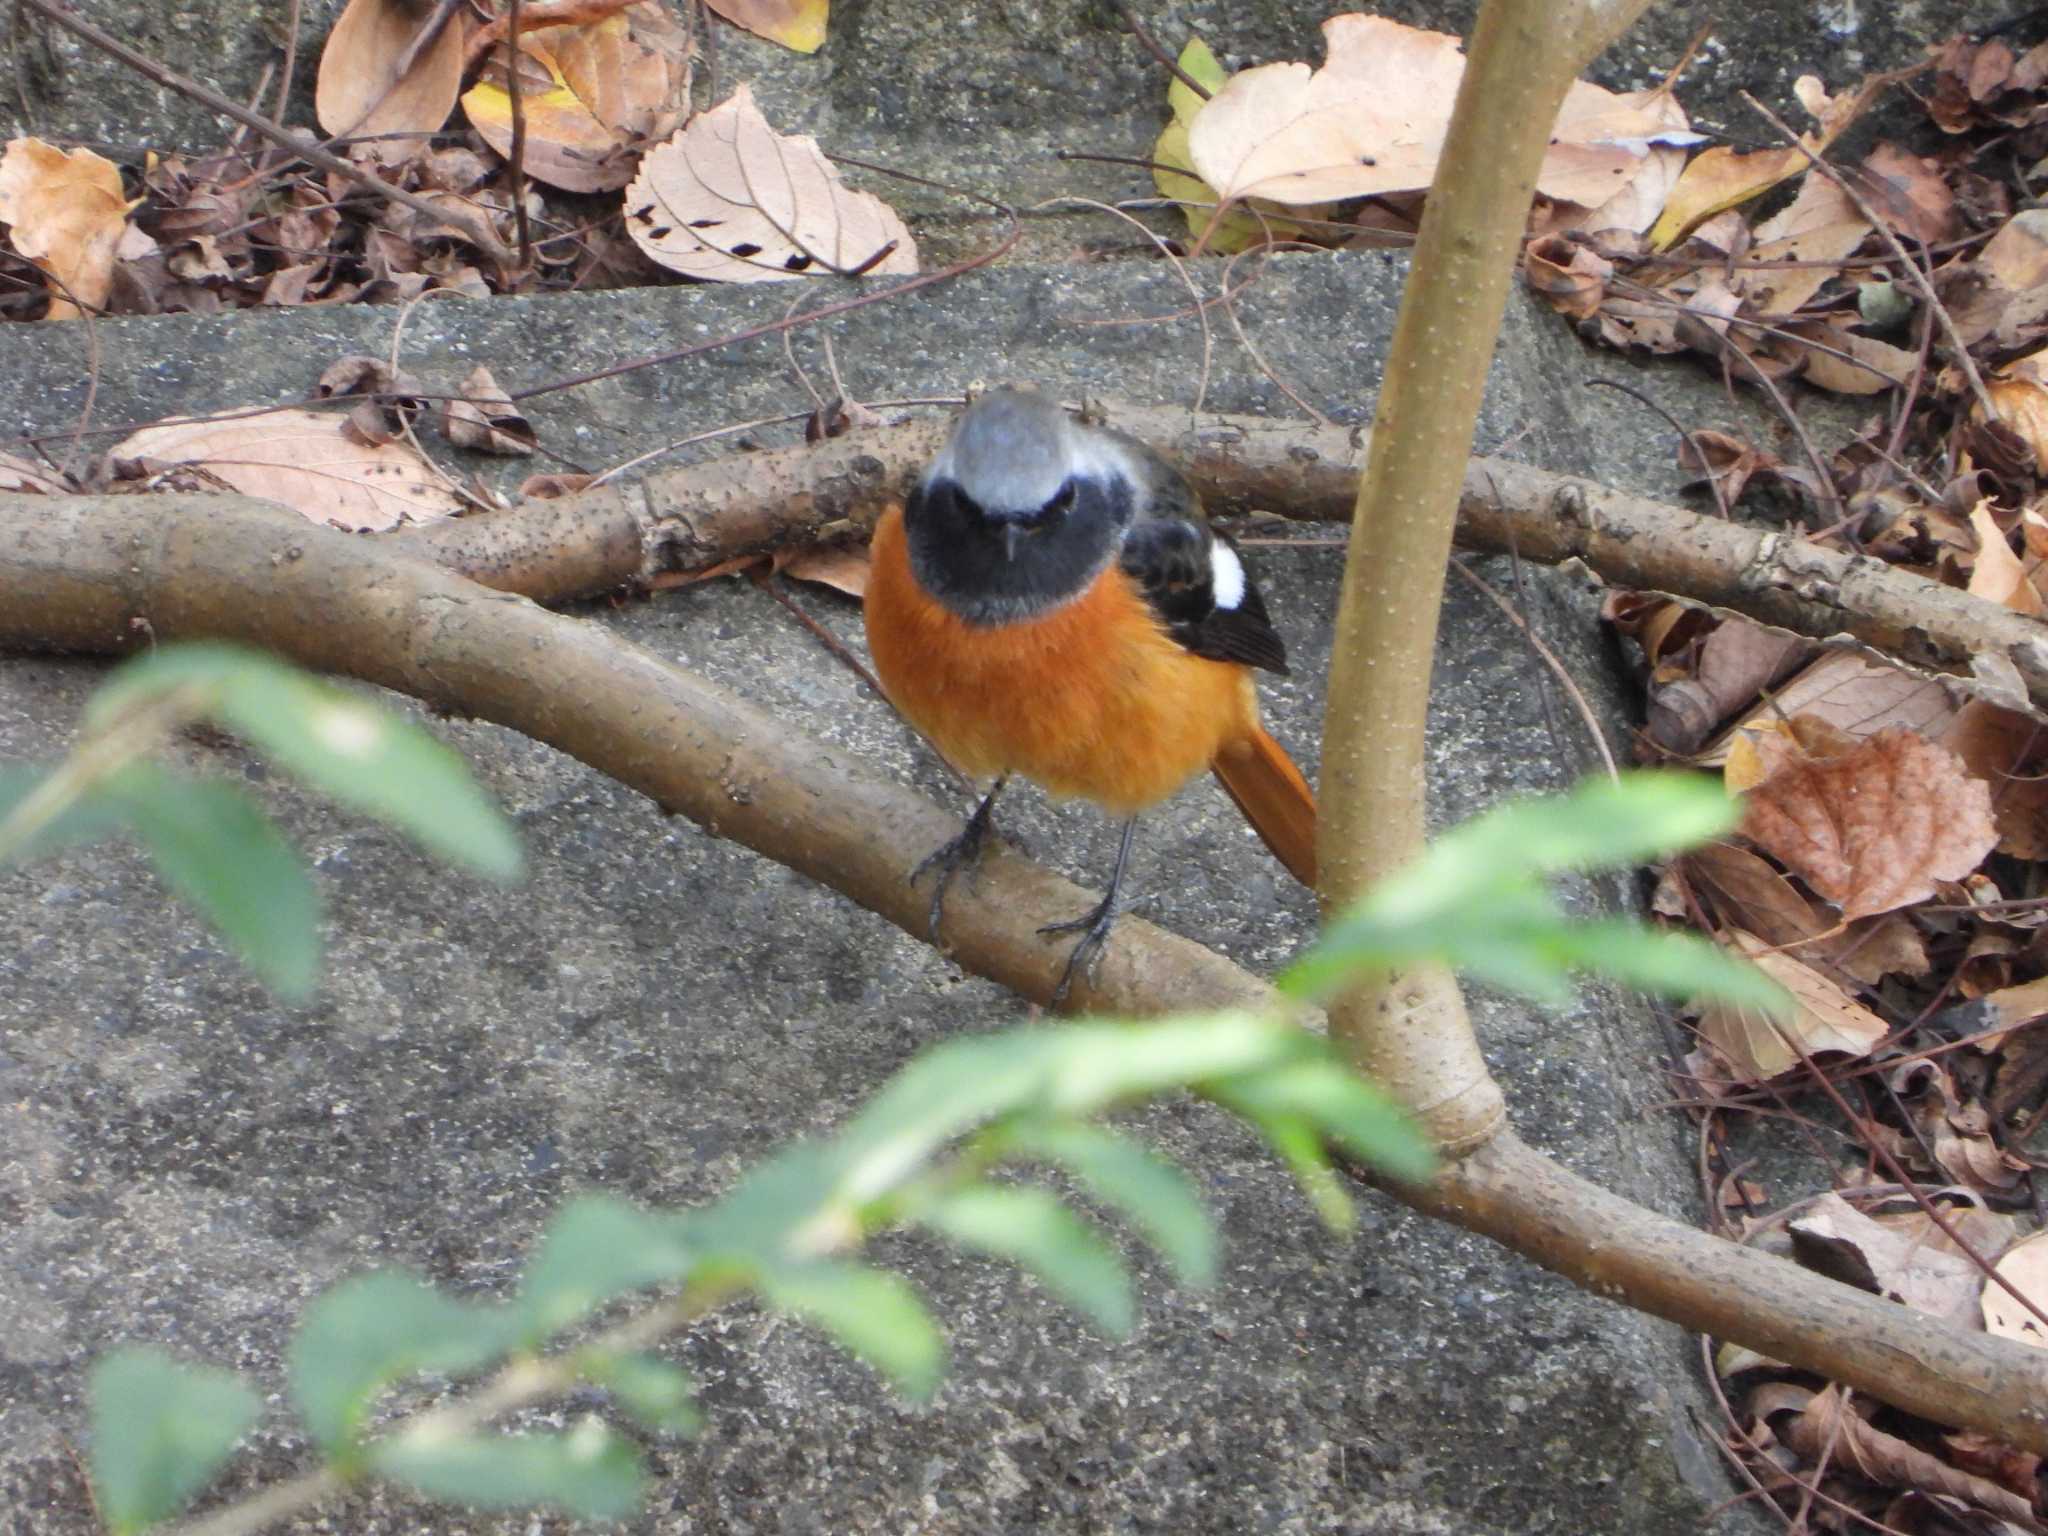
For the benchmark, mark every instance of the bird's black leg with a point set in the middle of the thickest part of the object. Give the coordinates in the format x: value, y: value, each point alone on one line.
x: 954, y: 855
x: 1094, y: 925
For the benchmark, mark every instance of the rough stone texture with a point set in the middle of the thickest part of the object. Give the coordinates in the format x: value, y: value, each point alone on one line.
x: 187, y: 1163
x: 183, y: 1162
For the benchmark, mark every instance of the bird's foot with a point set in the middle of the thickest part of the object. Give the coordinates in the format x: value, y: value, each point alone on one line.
x: 951, y: 857
x: 1093, y: 926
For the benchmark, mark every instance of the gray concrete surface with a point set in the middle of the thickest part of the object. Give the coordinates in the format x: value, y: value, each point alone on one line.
x: 184, y: 1162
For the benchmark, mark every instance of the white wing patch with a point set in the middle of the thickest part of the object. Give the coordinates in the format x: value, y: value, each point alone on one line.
x: 1226, y: 574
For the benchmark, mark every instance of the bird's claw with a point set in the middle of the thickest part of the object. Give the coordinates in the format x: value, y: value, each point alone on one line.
x: 949, y: 858
x: 1086, y: 956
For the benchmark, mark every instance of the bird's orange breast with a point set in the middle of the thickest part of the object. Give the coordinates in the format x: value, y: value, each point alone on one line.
x: 1093, y: 699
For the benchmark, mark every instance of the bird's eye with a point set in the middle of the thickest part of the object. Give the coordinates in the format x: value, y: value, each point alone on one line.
x: 1062, y: 500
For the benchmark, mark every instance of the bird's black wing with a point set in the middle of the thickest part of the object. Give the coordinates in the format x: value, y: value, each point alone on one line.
x: 1197, y: 584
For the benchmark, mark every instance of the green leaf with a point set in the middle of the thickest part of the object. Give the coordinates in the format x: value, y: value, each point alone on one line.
x: 589, y: 1472
x: 83, y: 820
x: 753, y: 1224
x: 1681, y: 965
x: 210, y: 843
x: 160, y: 1430
x: 1475, y: 901
x: 1074, y: 1070
x: 361, y: 753
x: 1151, y: 1193
x: 874, y: 1315
x: 657, y: 1394
x: 1343, y: 1106
x: 1201, y: 65
x: 1300, y: 1146
x: 372, y: 1330
x: 1030, y: 1227
x: 596, y: 1248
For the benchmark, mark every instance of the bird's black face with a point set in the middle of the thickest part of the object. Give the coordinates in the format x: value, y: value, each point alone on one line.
x: 997, y: 565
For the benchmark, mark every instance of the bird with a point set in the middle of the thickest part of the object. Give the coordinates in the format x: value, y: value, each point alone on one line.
x: 1050, y: 602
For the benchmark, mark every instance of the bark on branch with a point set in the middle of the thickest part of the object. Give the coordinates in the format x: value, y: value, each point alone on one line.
x: 696, y: 517
x: 76, y: 571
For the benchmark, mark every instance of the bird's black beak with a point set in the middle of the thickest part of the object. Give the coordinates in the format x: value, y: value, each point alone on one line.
x: 1011, y: 533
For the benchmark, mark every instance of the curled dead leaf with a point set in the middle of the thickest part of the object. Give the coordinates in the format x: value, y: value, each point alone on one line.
x: 1571, y: 277
x: 20, y: 475
x: 1906, y: 1260
x: 728, y: 199
x: 1877, y: 827
x: 486, y: 419
x: 305, y: 459
x: 67, y: 214
x: 1824, y: 1019
x: 360, y: 93
x: 591, y: 95
x: 2009, y: 751
x: 1998, y: 574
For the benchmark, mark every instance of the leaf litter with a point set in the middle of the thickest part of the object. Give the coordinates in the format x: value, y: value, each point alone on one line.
x: 1889, y: 867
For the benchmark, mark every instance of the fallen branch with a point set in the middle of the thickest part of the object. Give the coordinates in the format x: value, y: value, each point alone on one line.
x: 78, y: 573
x: 98, y: 574
x: 749, y: 504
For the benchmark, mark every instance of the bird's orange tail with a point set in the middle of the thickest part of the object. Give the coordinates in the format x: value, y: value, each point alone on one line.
x: 1261, y: 778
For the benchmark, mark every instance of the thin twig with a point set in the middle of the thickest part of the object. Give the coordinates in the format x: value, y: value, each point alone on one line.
x: 515, y: 163
x: 1251, y: 349
x: 1550, y: 660
x: 1921, y: 286
x: 292, y: 20
x: 475, y: 232
x: 1152, y: 46
x: 1685, y: 433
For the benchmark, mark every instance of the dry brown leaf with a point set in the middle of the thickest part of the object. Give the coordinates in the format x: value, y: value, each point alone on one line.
x: 1855, y: 695
x: 305, y: 459
x: 1372, y: 121
x: 486, y: 419
x: 1999, y: 575
x: 20, y: 475
x: 1743, y: 891
x: 2019, y: 397
x: 1821, y: 225
x: 2025, y: 1267
x: 1894, y: 1259
x: 2018, y: 254
x: 1822, y: 1427
x: 591, y: 96
x: 730, y: 200
x: 1870, y: 949
x: 1731, y: 666
x: 68, y: 216
x: 836, y: 566
x: 1571, y: 276
x: 1875, y: 828
x: 797, y: 24
x: 359, y: 94
x: 1722, y: 178
x: 1909, y: 193
x: 1824, y: 1019
x: 1761, y: 747
x: 2009, y: 752
x: 1870, y: 368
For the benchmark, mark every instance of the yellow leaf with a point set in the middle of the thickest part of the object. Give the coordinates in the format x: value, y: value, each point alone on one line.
x: 797, y: 24
x: 67, y: 216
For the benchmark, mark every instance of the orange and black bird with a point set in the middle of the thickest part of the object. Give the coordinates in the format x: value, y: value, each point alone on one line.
x: 1050, y: 601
